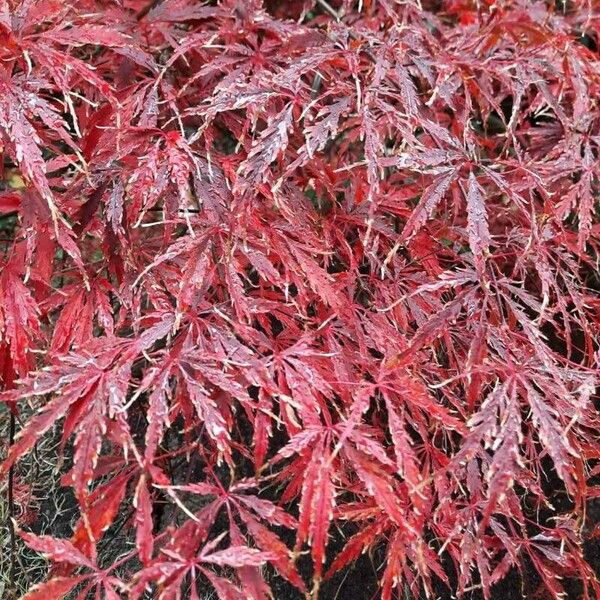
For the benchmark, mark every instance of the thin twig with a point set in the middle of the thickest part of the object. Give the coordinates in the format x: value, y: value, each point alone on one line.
x: 329, y: 9
x: 11, y: 508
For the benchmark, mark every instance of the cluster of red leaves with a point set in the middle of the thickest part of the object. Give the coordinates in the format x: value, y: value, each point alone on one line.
x: 299, y: 267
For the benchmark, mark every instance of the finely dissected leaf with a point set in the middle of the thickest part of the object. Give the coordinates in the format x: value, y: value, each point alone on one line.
x: 316, y: 506
x: 479, y: 234
x: 269, y: 542
x: 326, y: 127
x: 58, y: 550
x: 407, y: 90
x: 428, y: 202
x: 104, y: 502
x: 53, y: 588
x: 269, y: 145
x: 144, y: 523
x: 552, y: 434
x: 19, y: 321
x: 22, y: 135
x: 238, y: 556
x: 44, y: 420
x: 295, y: 282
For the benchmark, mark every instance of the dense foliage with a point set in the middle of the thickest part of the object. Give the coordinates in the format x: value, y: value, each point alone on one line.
x: 319, y: 277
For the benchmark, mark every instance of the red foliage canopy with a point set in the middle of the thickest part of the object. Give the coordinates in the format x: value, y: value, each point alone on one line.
x: 305, y: 270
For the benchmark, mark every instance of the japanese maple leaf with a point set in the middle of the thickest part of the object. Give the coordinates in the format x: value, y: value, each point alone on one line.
x: 256, y: 514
